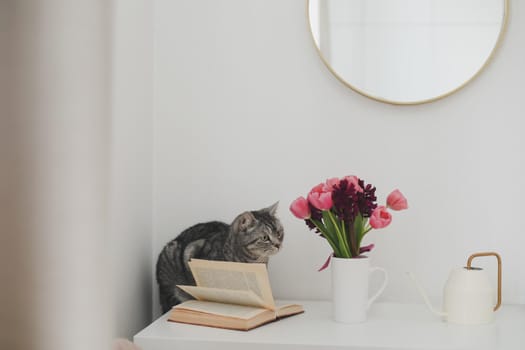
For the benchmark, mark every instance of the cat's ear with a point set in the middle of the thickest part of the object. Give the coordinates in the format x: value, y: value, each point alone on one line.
x: 243, y: 221
x: 272, y: 209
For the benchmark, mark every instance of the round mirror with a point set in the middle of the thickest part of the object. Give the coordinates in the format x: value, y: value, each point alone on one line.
x: 406, y: 51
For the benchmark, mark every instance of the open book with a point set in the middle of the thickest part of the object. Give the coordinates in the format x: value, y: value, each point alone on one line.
x: 230, y: 295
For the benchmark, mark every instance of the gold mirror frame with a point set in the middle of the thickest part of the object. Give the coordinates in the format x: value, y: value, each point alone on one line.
x: 499, y: 39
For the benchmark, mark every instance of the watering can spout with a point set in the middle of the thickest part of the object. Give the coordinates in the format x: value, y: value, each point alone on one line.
x: 424, y: 295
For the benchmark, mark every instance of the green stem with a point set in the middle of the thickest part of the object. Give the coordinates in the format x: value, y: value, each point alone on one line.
x: 366, y: 230
x: 344, y: 234
x: 340, y: 236
x: 353, y: 240
x: 327, y: 236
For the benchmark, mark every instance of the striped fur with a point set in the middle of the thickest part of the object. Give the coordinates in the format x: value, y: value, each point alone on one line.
x: 252, y: 237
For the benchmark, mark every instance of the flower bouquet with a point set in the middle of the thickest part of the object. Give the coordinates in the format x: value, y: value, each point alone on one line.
x: 343, y: 211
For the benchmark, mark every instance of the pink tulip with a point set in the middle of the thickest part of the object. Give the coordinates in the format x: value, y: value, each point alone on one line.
x: 380, y: 217
x: 396, y: 200
x: 331, y: 183
x: 300, y: 208
x: 320, y: 198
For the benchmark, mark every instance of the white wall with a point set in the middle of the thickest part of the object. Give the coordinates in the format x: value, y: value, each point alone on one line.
x: 247, y: 114
x: 131, y: 164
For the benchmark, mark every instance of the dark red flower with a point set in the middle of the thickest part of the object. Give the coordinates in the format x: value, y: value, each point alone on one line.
x: 367, y: 199
x: 350, y: 201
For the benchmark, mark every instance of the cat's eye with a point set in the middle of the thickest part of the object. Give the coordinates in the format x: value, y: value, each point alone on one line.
x: 265, y: 238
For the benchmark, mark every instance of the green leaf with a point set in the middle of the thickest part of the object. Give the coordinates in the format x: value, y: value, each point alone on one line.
x: 329, y: 224
x: 330, y: 219
x: 359, y: 229
x: 329, y: 238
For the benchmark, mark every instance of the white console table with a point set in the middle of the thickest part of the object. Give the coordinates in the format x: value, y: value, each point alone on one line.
x: 389, y: 327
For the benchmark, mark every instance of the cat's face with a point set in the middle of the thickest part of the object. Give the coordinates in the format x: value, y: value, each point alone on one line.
x: 259, y: 233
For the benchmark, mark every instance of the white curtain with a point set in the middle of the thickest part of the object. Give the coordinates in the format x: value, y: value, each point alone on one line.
x: 54, y: 137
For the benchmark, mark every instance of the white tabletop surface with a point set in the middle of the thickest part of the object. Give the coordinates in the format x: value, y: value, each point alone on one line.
x: 389, y: 326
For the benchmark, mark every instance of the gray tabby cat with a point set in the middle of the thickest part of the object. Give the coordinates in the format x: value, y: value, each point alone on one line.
x: 252, y: 237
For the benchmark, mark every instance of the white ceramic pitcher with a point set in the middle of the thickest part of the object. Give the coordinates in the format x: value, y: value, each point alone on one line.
x: 350, y: 278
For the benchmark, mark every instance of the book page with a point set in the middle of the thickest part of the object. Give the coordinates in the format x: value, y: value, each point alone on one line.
x: 228, y: 310
x: 233, y: 276
x: 239, y: 297
x: 283, y: 310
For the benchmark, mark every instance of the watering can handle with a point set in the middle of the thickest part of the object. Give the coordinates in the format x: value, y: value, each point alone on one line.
x: 469, y: 262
